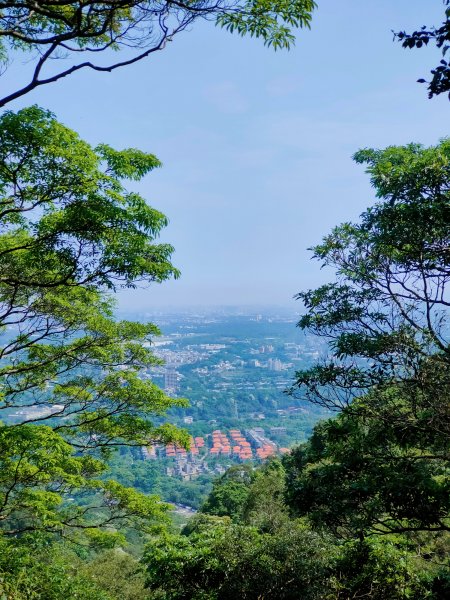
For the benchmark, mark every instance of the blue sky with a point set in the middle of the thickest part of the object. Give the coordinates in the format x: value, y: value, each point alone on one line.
x: 257, y: 145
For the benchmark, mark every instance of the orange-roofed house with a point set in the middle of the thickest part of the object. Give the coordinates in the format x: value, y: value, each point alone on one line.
x: 246, y: 452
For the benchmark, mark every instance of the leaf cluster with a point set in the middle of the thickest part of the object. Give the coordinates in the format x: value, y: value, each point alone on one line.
x: 440, y: 36
x: 70, y: 375
x: 68, y: 28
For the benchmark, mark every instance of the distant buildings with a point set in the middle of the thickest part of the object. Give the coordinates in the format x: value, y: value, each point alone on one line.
x: 254, y: 363
x: 170, y: 380
x: 212, y: 347
x: 266, y: 349
x: 278, y: 430
x: 199, y: 458
x: 38, y: 412
x: 275, y: 364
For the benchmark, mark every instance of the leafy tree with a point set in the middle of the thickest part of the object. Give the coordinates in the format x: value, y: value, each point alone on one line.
x: 263, y: 552
x: 382, y: 465
x: 381, y: 570
x: 360, y: 475
x: 117, y: 573
x: 32, y: 568
x: 35, y: 567
x: 230, y: 493
x: 440, y: 36
x: 70, y: 385
x: 69, y: 28
x: 264, y: 507
x: 386, y: 314
x: 250, y: 496
x: 221, y: 560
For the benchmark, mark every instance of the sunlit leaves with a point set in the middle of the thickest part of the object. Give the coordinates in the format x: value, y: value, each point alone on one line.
x: 70, y: 373
x: 270, y: 20
x: 142, y: 27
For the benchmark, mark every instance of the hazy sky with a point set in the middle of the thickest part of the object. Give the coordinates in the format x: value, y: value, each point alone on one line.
x: 256, y: 146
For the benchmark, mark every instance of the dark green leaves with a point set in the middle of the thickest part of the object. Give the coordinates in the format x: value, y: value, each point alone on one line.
x: 440, y: 36
x: 381, y: 466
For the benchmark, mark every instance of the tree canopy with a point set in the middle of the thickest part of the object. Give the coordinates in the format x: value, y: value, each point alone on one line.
x: 263, y: 553
x: 386, y: 315
x: 83, y: 30
x: 70, y: 376
x: 382, y: 465
x: 257, y: 553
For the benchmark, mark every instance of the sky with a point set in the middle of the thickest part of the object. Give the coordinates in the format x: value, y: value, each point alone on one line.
x: 256, y: 145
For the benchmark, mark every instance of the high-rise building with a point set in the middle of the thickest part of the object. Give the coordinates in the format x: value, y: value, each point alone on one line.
x: 275, y: 364
x: 170, y: 380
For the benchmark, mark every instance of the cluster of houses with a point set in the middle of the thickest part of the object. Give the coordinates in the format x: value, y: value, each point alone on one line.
x: 236, y: 446
x: 198, y: 459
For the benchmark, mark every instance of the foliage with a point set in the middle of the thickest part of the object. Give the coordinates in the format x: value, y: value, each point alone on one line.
x: 34, y: 567
x: 361, y: 474
x: 70, y: 232
x: 221, y: 560
x: 229, y: 493
x: 264, y: 507
x: 380, y: 570
x: 66, y: 216
x: 385, y: 316
x: 383, y: 463
x: 116, y: 572
x: 255, y: 551
x: 260, y: 551
x: 250, y: 496
x: 69, y: 28
x: 440, y: 81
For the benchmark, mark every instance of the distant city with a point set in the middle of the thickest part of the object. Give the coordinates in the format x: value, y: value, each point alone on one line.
x: 234, y: 370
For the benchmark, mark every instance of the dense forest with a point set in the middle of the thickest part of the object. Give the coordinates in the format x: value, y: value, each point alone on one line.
x: 361, y: 509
